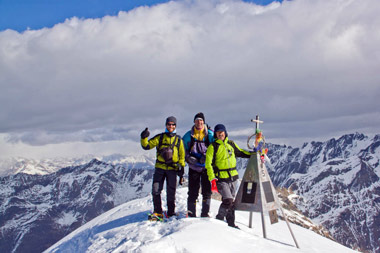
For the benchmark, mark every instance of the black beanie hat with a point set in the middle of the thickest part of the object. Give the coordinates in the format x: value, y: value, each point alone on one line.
x: 220, y: 127
x: 171, y: 119
x: 199, y: 115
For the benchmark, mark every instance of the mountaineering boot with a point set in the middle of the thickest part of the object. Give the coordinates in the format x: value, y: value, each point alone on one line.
x: 167, y: 215
x: 219, y: 217
x: 230, y: 217
x: 221, y: 213
x: 171, y: 208
x: 189, y: 214
x: 191, y: 209
x: 205, y: 207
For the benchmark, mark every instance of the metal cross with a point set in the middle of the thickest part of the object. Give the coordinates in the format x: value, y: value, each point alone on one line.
x: 257, y: 121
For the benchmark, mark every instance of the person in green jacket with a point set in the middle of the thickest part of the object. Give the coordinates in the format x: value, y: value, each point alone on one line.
x: 170, y: 162
x: 222, y: 173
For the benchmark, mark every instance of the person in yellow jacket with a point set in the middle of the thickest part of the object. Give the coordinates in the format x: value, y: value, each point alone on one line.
x: 170, y: 162
x: 222, y: 173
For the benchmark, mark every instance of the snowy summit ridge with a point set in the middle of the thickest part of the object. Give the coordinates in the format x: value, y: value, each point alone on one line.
x: 126, y: 229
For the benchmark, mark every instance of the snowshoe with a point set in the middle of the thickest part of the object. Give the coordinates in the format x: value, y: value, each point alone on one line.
x: 155, y: 217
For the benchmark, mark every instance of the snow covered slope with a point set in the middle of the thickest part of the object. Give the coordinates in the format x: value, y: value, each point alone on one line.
x: 126, y: 229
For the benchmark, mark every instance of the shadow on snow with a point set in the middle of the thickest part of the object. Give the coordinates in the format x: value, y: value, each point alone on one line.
x: 81, y: 241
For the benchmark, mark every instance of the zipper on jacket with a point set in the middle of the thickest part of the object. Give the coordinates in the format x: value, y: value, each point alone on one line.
x: 228, y: 155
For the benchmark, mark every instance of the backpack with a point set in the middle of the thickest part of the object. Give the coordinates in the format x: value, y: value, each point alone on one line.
x: 167, y: 152
x: 207, y: 139
x: 192, y: 141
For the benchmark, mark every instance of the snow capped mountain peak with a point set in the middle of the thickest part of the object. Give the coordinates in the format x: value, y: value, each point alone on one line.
x: 12, y: 166
x: 57, y: 203
x: 335, y: 180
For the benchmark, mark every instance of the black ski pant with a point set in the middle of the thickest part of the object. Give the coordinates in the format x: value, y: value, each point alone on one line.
x: 196, y: 180
x: 227, y: 208
x: 158, y: 183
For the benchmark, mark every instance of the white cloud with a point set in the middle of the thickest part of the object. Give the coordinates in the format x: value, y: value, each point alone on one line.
x: 69, y: 149
x: 314, y: 62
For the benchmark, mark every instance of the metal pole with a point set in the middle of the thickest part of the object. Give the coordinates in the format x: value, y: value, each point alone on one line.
x: 291, y: 231
x: 285, y: 217
x: 257, y: 120
x: 250, y: 220
x: 262, y: 202
x: 250, y: 213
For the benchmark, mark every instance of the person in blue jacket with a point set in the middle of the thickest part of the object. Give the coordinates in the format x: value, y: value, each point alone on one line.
x: 196, y: 142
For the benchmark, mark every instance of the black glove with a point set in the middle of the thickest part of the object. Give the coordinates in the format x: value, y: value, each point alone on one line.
x: 145, y: 133
x: 181, y: 180
x: 180, y: 171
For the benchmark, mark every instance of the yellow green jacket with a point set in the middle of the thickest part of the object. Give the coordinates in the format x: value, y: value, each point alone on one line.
x: 168, y: 139
x: 224, y: 166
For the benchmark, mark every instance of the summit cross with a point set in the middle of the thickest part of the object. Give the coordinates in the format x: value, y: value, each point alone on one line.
x: 257, y: 121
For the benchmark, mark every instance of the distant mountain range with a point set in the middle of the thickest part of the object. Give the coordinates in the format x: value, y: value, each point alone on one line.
x: 335, y: 183
x: 12, y: 166
x: 38, y: 210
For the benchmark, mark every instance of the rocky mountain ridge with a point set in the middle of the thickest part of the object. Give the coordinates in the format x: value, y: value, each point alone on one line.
x: 38, y: 210
x: 336, y: 184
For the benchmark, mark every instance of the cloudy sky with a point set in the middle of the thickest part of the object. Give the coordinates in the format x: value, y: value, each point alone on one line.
x: 76, y: 79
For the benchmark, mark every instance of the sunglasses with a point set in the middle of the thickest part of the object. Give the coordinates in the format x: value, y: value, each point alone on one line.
x: 170, y: 124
